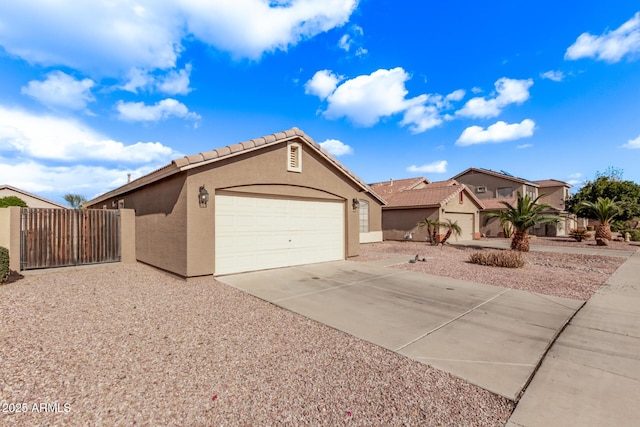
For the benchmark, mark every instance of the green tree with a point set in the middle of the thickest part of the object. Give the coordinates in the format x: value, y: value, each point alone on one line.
x: 604, y: 210
x: 524, y: 215
x: 5, y: 202
x: 75, y: 200
x: 608, y: 185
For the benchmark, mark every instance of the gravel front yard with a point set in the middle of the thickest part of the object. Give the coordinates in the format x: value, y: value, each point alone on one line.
x: 563, y: 275
x: 125, y: 344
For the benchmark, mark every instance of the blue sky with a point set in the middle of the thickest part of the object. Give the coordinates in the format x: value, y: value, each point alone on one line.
x: 91, y: 91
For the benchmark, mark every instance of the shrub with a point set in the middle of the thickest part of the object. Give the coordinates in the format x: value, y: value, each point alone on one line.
x: 4, y: 264
x: 5, y: 202
x: 508, y: 259
x: 579, y: 234
x: 634, y: 232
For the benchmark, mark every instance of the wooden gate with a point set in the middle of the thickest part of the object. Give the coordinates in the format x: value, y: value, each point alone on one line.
x: 68, y: 237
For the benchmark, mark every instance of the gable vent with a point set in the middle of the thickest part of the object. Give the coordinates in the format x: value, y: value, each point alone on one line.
x: 294, y: 157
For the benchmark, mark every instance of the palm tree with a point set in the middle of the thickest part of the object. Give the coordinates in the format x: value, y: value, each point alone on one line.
x: 604, y: 210
x: 524, y: 215
x: 432, y: 228
x: 75, y: 200
x: 452, y: 227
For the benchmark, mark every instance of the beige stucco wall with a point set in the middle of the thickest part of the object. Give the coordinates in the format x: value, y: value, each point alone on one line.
x: 265, y: 172
x: 475, y: 179
x: 128, y: 236
x: 467, y: 206
x: 397, y: 222
x: 31, y: 202
x: 554, y: 197
x: 175, y: 234
x: 10, y: 234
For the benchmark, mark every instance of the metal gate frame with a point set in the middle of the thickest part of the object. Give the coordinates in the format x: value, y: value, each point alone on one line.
x: 52, y: 238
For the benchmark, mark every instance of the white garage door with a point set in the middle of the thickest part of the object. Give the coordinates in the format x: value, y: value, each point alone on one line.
x: 256, y: 233
x: 465, y: 221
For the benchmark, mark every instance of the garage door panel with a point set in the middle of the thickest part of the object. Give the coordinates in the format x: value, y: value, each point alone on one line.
x: 465, y: 221
x: 254, y: 233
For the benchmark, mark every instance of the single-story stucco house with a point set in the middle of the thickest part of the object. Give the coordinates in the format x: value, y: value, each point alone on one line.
x: 32, y: 200
x: 410, y: 201
x: 274, y: 201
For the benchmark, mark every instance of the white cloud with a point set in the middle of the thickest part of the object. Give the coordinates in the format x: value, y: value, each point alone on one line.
x: 633, y: 143
x: 523, y: 146
x: 161, y: 110
x: 509, y: 91
x: 439, y: 166
x: 611, y: 46
x: 556, y: 76
x: 351, y: 39
x: 336, y: 147
x: 322, y: 84
x: 575, y: 179
x: 61, y: 90
x: 176, y: 82
x: 239, y: 26
x: 497, y: 132
x: 56, y: 181
x: 109, y: 38
x: 54, y: 138
x: 367, y: 99
x: 420, y: 118
x: 456, y: 95
x: 476, y: 90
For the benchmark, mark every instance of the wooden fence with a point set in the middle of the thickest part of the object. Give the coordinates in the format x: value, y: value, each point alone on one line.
x: 68, y: 237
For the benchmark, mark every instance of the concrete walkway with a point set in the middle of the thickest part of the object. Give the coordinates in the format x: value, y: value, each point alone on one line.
x: 505, y: 244
x: 487, y: 335
x: 591, y: 375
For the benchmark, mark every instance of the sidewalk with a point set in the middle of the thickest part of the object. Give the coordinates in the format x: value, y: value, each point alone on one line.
x: 591, y: 375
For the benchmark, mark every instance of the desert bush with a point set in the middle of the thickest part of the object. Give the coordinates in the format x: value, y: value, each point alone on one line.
x: 4, y: 264
x: 579, y: 234
x: 508, y: 259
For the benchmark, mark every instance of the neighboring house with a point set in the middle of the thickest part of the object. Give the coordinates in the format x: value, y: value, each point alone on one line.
x: 32, y: 200
x: 410, y: 201
x: 274, y: 201
x: 493, y: 188
x: 555, y: 194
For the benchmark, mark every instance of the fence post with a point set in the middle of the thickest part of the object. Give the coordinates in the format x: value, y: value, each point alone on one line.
x: 128, y: 236
x: 10, y: 234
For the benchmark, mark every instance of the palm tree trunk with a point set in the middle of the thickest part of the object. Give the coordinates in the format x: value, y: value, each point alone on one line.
x: 446, y: 236
x: 520, y: 241
x: 603, y: 232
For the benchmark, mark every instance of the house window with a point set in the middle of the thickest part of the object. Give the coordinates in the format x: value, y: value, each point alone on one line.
x: 531, y: 192
x: 504, y: 192
x: 294, y: 157
x: 481, y: 189
x: 364, y: 216
x: 121, y: 204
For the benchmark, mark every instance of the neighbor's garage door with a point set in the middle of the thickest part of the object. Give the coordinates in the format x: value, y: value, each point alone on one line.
x: 255, y: 233
x: 465, y: 221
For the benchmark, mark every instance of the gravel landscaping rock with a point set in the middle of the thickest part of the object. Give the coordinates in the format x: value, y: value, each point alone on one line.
x: 563, y: 275
x: 120, y: 345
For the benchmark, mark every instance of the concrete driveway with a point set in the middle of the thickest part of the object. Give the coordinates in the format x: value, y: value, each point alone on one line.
x: 490, y: 336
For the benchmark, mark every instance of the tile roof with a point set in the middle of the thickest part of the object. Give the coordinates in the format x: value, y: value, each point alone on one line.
x: 497, y: 174
x: 551, y: 183
x: 208, y: 157
x: 447, y: 183
x: 387, y: 188
x: 496, y: 204
x: 430, y: 196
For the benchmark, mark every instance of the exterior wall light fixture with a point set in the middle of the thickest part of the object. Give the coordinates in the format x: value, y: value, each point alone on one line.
x: 355, y: 204
x: 203, y: 197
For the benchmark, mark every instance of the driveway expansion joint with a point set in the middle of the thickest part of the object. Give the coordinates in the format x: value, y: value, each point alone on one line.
x: 452, y: 320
